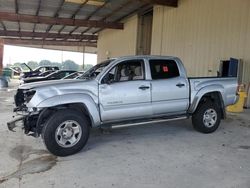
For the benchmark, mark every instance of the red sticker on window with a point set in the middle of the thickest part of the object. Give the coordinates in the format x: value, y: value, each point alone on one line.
x: 165, y: 69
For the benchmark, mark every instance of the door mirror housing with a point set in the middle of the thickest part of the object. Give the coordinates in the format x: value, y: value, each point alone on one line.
x: 109, y: 82
x: 106, y: 80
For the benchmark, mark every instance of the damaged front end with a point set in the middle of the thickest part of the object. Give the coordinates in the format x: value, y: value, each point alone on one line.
x: 26, y: 117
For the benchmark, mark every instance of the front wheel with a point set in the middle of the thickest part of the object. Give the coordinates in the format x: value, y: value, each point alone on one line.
x: 66, y: 132
x: 207, y: 117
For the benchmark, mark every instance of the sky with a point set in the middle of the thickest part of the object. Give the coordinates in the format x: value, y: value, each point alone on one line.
x: 13, y: 54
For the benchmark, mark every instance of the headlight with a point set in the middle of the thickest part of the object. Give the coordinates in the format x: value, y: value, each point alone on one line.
x: 28, y: 95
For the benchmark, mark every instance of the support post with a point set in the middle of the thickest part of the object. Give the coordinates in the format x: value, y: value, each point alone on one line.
x: 83, y: 58
x: 1, y: 55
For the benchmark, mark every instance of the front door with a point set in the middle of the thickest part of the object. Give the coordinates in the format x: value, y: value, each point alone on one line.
x: 124, y: 93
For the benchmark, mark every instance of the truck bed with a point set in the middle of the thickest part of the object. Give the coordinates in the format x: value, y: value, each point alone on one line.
x: 227, y: 85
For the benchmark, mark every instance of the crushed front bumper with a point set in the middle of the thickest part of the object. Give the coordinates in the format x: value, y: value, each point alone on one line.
x: 26, y: 118
x: 27, y: 122
x: 16, y: 122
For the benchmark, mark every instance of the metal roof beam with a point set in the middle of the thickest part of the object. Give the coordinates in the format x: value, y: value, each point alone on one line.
x: 96, y: 10
x: 55, y: 15
x: 112, y: 13
x: 38, y: 7
x: 171, y: 3
x: 16, y: 6
x: 47, y: 42
x: 2, y: 24
x: 4, y: 16
x: 37, y: 13
x: 16, y: 11
x: 46, y: 35
x: 137, y: 10
x: 128, y: 2
x: 75, y: 13
x: 90, y: 15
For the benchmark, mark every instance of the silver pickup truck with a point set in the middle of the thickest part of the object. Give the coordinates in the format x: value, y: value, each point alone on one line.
x: 120, y: 92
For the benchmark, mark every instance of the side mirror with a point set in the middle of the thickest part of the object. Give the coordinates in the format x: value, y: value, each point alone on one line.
x: 106, y: 80
x: 109, y: 81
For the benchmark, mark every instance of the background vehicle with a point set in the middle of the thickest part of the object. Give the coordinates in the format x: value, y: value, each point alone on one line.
x: 12, y: 71
x: 53, y: 76
x: 37, y: 71
x: 125, y: 91
x: 74, y: 75
x: 45, y: 73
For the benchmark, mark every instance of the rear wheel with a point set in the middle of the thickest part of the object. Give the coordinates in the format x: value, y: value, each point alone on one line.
x: 66, y: 132
x: 207, y: 117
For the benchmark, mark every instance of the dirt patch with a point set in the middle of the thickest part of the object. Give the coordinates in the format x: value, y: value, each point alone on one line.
x: 244, y: 123
x: 2, y: 180
x: 38, y: 165
x: 239, y: 121
x: 229, y: 120
x: 42, y: 163
x: 244, y: 147
x: 23, y: 152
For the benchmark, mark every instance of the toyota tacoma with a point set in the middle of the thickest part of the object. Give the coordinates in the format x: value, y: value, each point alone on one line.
x: 120, y: 92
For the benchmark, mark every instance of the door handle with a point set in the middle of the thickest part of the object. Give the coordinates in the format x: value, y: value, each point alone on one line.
x: 144, y: 87
x: 180, y: 85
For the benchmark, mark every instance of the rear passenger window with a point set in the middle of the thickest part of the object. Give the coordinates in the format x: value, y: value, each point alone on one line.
x: 163, y: 69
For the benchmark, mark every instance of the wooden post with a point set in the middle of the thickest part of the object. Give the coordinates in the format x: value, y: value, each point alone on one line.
x: 1, y: 55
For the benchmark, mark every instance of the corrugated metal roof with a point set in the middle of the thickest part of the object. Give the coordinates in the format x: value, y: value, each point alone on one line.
x: 61, y: 9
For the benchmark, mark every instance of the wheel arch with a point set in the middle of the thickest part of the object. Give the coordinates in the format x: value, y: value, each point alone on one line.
x: 79, y: 102
x: 215, y: 96
x: 47, y: 112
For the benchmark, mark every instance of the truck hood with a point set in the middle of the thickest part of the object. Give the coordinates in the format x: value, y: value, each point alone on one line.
x: 50, y: 90
x: 55, y: 83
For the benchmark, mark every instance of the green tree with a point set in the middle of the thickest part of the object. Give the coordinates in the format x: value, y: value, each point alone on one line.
x: 32, y: 64
x: 70, y: 65
x: 56, y: 64
x: 44, y: 62
x: 87, y: 67
x: 17, y: 64
x: 9, y: 65
x: 22, y: 65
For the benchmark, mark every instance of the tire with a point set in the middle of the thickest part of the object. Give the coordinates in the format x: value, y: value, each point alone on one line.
x: 66, y: 132
x: 207, y: 117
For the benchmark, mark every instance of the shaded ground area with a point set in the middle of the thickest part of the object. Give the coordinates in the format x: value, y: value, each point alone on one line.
x: 160, y: 155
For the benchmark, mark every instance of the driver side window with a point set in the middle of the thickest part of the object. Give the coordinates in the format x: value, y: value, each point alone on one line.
x: 126, y: 71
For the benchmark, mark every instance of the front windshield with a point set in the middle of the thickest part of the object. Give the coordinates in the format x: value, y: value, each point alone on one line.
x: 73, y: 75
x: 25, y: 67
x: 94, y: 71
x: 46, y: 73
x: 52, y: 74
x: 37, y: 69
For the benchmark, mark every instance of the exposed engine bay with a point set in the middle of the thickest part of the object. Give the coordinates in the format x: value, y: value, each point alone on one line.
x: 26, y: 118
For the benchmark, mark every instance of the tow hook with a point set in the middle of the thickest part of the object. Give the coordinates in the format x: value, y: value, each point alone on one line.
x: 13, y: 124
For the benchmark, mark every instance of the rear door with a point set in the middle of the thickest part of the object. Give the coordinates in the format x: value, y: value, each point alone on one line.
x: 124, y: 93
x: 170, y: 89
